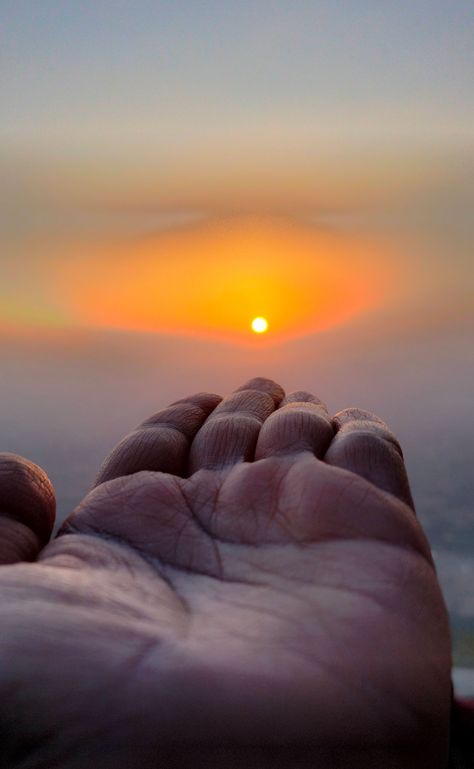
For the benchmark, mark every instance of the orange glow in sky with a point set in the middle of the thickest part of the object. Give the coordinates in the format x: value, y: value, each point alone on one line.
x: 213, y: 279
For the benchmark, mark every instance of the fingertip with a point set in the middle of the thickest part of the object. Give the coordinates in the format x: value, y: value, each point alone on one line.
x: 262, y: 384
x: 295, y: 427
x: 207, y: 402
x: 359, y: 420
x: 353, y: 414
x: 161, y: 442
x: 301, y: 396
x: 365, y: 445
x: 26, y: 498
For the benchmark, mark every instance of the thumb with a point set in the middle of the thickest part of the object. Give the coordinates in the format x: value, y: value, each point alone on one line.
x: 27, y: 509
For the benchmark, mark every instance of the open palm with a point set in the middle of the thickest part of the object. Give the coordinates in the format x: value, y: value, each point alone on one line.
x: 247, y: 585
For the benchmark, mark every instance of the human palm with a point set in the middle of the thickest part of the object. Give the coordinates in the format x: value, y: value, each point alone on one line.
x: 247, y: 585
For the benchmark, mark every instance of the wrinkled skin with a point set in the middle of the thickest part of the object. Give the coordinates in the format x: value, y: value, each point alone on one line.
x: 246, y: 586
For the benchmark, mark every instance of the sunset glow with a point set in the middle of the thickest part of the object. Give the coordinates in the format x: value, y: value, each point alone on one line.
x: 208, y: 279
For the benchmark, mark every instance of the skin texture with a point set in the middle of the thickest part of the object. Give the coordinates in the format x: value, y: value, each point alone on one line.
x: 246, y: 586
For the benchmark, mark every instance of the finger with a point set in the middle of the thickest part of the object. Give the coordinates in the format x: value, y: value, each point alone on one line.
x: 27, y: 509
x: 230, y: 434
x: 301, y: 396
x: 301, y: 423
x: 162, y: 441
x: 264, y: 385
x: 364, y: 444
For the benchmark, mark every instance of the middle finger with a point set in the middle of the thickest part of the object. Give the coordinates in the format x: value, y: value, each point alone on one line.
x: 301, y: 423
x: 230, y: 433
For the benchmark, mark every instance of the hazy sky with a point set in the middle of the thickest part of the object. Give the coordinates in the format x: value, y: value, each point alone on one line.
x: 264, y: 70
x: 262, y: 104
x: 121, y: 119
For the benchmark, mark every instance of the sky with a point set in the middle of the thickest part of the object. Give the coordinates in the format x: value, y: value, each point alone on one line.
x: 160, y: 71
x: 157, y: 97
x: 121, y: 120
x: 171, y: 170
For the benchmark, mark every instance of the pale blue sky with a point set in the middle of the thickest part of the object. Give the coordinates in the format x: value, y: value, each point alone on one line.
x: 99, y: 72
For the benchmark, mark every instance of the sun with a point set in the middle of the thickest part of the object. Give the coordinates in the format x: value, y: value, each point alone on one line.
x: 259, y: 325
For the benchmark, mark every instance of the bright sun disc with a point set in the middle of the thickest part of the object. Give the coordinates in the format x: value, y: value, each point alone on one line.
x: 259, y: 325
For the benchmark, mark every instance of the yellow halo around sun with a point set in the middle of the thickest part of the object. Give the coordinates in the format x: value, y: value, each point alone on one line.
x: 209, y: 279
x: 259, y: 325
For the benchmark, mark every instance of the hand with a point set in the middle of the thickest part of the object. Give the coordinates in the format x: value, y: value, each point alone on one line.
x: 247, y: 585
